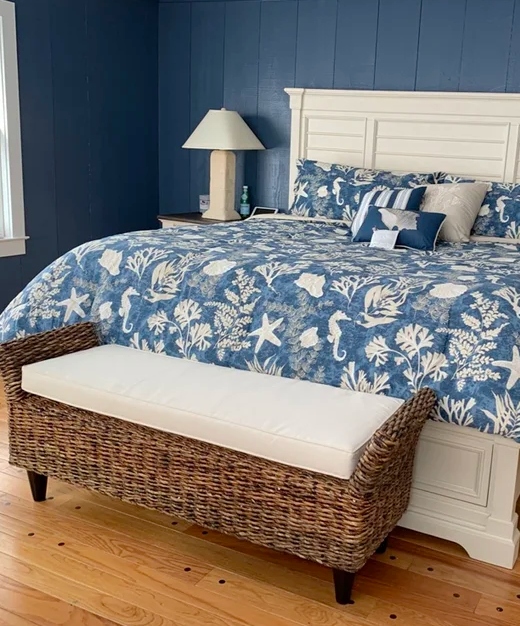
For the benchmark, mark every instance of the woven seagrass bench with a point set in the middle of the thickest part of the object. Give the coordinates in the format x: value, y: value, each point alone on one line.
x: 316, y: 471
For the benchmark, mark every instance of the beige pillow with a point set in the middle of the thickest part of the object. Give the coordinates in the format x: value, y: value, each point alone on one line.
x: 460, y: 202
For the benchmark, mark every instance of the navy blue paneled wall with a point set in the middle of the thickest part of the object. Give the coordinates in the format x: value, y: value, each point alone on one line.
x: 242, y: 53
x: 88, y: 98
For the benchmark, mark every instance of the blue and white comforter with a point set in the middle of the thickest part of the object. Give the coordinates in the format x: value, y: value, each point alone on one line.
x: 299, y: 299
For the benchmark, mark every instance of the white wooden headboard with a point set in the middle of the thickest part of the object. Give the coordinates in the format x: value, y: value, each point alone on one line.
x: 468, y: 134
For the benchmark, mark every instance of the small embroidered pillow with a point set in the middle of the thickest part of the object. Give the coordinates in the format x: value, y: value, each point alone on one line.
x: 417, y: 229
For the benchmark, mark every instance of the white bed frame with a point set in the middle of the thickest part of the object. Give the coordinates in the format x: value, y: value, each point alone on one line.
x: 466, y: 483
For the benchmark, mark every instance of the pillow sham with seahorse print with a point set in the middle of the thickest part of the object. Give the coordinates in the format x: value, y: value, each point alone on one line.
x: 333, y: 191
x: 499, y: 214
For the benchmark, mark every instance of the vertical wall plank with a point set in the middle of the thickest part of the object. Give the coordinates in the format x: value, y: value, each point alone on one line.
x: 485, y: 53
x: 123, y: 93
x: 398, y: 37
x: 71, y: 121
x: 316, y: 41
x: 356, y: 41
x: 10, y: 279
x: 440, y: 45
x: 37, y: 120
x: 241, y: 79
x: 37, y: 117
x: 513, y: 70
x: 207, y: 69
x: 174, y: 106
x: 276, y: 70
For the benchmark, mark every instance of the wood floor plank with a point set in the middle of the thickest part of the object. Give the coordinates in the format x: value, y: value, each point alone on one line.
x: 388, y: 613
x: 5, y: 468
x: 10, y: 619
x: 290, y: 606
x: 104, y: 516
x: 19, y: 519
x: 501, y: 611
x: 19, y: 486
x: 139, y: 512
x: 189, y: 606
x: 102, y: 604
x: 458, y: 562
x: 483, y: 582
x: 395, y: 558
x: 42, y: 609
x: 427, y: 541
x: 414, y: 591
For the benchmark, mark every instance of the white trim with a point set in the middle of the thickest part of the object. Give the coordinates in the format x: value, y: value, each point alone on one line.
x: 466, y: 483
x: 12, y: 227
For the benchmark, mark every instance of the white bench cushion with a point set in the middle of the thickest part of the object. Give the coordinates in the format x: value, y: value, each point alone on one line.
x: 302, y: 424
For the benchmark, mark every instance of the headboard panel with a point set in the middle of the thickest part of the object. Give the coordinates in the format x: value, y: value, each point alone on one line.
x: 467, y: 134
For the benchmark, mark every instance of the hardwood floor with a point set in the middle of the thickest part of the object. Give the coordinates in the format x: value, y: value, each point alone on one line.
x: 79, y: 559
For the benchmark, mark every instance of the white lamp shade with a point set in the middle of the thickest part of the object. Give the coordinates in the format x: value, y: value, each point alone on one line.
x: 223, y: 130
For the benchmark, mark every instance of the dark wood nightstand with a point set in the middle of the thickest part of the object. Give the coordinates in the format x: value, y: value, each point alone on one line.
x: 181, y: 219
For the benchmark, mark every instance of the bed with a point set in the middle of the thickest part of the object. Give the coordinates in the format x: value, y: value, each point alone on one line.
x: 297, y: 298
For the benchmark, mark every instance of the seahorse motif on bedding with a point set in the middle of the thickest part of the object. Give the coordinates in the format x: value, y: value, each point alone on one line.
x: 334, y: 335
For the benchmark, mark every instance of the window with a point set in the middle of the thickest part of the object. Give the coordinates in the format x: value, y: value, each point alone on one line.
x: 12, y: 228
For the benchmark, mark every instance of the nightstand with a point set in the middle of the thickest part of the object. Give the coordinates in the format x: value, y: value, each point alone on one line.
x: 182, y: 219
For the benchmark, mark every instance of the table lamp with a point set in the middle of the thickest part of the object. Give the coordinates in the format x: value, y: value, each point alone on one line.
x: 222, y: 132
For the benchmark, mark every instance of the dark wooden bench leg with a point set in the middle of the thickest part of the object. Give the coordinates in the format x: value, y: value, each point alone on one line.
x: 382, y: 548
x: 343, y: 582
x: 38, y: 484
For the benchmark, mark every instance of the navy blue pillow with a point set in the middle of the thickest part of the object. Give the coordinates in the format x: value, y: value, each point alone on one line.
x: 417, y: 229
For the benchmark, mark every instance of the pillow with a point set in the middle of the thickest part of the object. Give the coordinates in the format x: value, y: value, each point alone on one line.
x: 319, y: 189
x: 460, y: 202
x: 361, y: 177
x: 333, y: 191
x: 404, y: 199
x: 499, y: 214
x: 417, y: 229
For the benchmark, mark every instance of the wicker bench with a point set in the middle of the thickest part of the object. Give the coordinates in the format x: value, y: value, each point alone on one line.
x: 260, y: 494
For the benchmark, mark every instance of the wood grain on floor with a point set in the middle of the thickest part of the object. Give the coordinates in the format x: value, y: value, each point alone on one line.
x: 80, y: 559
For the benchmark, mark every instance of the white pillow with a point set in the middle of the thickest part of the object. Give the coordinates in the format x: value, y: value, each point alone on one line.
x: 460, y: 202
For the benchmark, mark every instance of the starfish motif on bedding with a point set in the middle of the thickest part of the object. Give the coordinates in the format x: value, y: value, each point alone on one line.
x: 300, y: 191
x: 513, y: 366
x: 266, y: 332
x: 73, y: 304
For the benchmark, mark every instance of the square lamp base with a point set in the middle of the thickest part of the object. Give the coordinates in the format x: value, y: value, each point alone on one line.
x: 222, y: 187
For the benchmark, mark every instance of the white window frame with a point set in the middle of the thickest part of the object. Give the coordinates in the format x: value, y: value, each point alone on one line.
x: 12, y: 222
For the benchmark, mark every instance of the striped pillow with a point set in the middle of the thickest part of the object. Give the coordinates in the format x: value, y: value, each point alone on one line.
x: 404, y: 199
